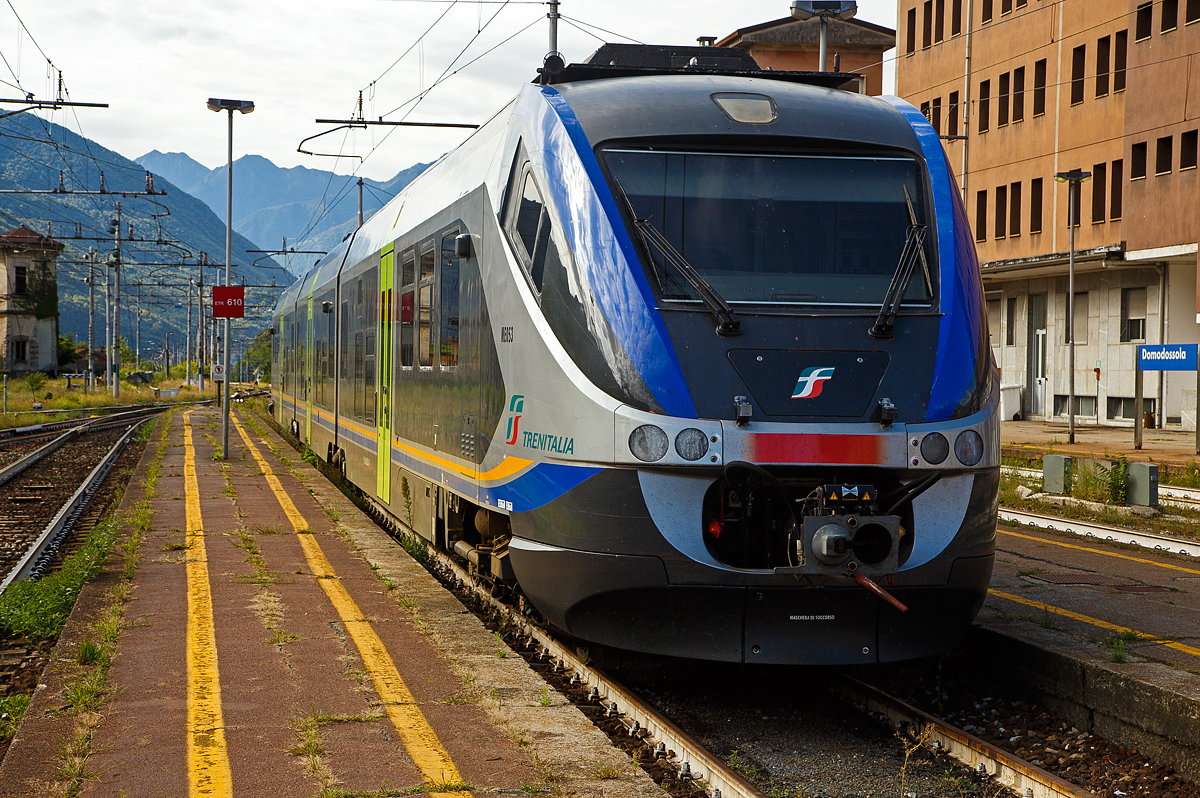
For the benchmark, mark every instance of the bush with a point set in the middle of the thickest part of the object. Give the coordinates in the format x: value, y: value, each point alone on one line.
x: 34, y: 382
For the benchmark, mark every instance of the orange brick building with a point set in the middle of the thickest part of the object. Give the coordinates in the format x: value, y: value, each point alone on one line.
x: 1023, y: 89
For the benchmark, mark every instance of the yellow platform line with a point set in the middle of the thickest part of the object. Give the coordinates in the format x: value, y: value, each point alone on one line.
x: 1090, y: 550
x: 207, y: 757
x: 1112, y: 627
x: 420, y: 740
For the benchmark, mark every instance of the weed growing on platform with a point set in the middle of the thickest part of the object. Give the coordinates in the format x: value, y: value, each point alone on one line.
x: 89, y: 653
x: 262, y: 575
x: 545, y: 700
x: 12, y: 710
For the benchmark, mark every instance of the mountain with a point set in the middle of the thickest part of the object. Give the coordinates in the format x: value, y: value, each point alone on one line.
x: 311, y: 208
x: 169, y: 232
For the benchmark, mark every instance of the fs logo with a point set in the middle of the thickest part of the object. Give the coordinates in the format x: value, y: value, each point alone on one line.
x: 515, y: 406
x: 811, y: 381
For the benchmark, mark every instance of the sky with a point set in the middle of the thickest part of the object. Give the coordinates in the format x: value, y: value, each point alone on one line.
x: 155, y: 63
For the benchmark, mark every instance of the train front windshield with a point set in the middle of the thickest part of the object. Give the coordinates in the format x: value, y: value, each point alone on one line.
x: 776, y: 229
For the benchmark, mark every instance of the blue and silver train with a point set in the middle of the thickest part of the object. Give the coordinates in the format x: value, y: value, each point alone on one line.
x: 688, y: 357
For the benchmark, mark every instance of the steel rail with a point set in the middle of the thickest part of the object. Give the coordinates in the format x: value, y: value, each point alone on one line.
x: 1016, y: 774
x: 1085, y: 529
x: 68, y: 515
x: 691, y: 759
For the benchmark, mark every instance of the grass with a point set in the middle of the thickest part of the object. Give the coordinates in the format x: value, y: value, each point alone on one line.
x: 12, y: 710
x: 74, y: 403
x: 1117, y: 643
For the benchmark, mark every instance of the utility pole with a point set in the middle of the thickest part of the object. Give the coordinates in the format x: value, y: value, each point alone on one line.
x: 90, y: 383
x: 187, y: 337
x: 137, y: 340
x: 200, y: 328
x: 360, y: 215
x: 553, y: 16
x: 107, y: 328
x: 115, y: 260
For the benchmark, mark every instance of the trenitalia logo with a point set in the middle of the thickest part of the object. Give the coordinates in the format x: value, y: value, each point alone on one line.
x: 515, y: 405
x: 811, y: 381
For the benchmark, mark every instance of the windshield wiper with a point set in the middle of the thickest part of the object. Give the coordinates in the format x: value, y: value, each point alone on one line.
x: 914, y: 251
x: 727, y: 321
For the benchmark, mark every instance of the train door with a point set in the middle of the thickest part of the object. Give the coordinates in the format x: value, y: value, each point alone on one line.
x: 383, y: 416
x: 308, y: 370
x: 1035, y: 371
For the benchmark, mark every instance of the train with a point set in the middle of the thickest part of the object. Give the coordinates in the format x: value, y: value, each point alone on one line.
x: 684, y: 356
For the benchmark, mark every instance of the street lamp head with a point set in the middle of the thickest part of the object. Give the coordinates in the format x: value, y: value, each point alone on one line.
x: 244, y: 106
x: 1075, y: 175
x: 807, y: 9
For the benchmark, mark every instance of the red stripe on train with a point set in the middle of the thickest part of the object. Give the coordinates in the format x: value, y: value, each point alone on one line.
x: 809, y: 448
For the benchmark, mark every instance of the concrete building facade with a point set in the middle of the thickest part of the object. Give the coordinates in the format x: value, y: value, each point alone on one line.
x: 1021, y: 90
x: 28, y: 301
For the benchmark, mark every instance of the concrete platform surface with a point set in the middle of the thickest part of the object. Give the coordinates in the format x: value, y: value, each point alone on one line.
x: 278, y: 643
x: 1171, y: 445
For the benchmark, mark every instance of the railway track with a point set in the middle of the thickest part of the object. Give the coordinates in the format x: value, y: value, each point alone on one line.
x: 1169, y: 495
x: 45, y: 495
x: 680, y: 763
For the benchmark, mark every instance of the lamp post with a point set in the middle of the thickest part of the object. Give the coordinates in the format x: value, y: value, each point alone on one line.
x: 167, y: 354
x: 807, y: 9
x: 1072, y: 178
x: 245, y: 107
x: 114, y: 260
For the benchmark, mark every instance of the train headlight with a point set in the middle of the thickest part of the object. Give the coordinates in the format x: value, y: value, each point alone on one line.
x: 691, y: 444
x: 968, y: 447
x: 935, y: 448
x: 648, y: 443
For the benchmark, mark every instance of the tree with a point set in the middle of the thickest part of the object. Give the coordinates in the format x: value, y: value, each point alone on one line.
x: 258, y: 355
x: 67, y: 346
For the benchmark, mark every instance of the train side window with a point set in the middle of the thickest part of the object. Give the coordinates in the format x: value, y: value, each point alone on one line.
x: 448, y: 297
x: 372, y: 326
x: 407, y: 282
x: 529, y: 214
x: 345, y: 338
x: 531, y: 225
x: 425, y: 341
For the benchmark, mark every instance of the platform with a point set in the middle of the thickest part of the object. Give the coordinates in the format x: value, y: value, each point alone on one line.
x: 278, y: 643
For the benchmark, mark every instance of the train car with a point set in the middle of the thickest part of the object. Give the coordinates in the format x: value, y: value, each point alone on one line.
x: 687, y: 357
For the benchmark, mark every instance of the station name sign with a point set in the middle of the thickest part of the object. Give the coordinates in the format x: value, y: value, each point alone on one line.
x: 1167, y: 357
x: 228, y: 302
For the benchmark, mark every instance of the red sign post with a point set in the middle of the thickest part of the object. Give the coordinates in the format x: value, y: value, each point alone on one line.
x: 228, y: 301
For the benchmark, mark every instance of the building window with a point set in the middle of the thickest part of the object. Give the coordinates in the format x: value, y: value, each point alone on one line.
x: 912, y: 31
x: 993, y: 319
x: 1143, y: 21
x: 935, y: 114
x: 1022, y: 3
x: 952, y: 115
x: 1133, y: 314
x: 1099, y: 193
x: 1018, y: 94
x: 1084, y: 405
x: 987, y: 10
x: 1163, y: 155
x: 1137, y: 161
x: 1117, y: 187
x: 20, y: 351
x: 1078, y: 59
x: 21, y: 281
x: 939, y: 21
x: 981, y: 216
x: 1187, y: 150
x: 1103, y: 54
x: 956, y: 17
x: 1002, y: 101
x: 1010, y: 321
x: 1122, y: 45
x: 1039, y: 87
x: 1014, y: 210
x: 985, y: 103
x: 925, y: 111
x: 1192, y: 14
x: 1005, y: 7
x: 1080, y: 319
x: 1170, y: 15
x: 1001, y: 212
x: 927, y: 25
x: 1035, y: 205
